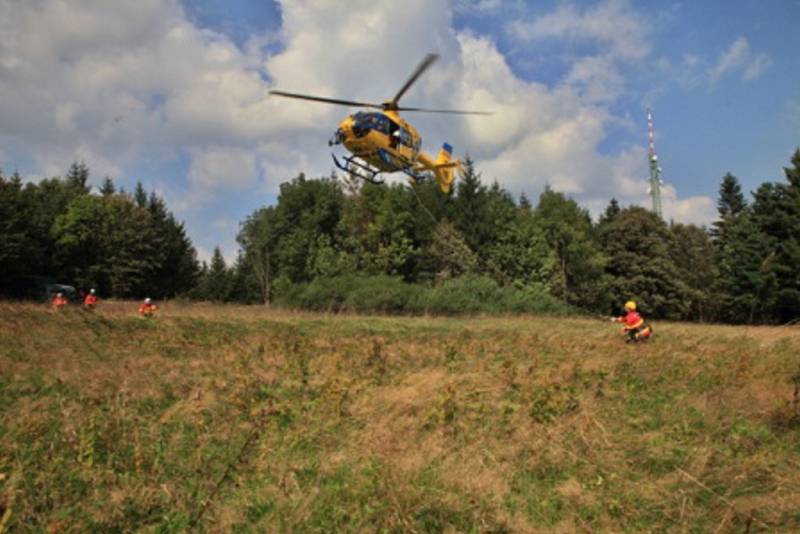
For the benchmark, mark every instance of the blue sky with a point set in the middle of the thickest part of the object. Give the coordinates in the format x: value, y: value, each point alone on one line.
x: 174, y: 94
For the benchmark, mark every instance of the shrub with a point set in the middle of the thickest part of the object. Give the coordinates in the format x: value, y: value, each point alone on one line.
x: 387, y: 294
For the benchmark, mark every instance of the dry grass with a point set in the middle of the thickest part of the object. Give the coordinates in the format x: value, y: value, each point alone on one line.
x: 232, y: 418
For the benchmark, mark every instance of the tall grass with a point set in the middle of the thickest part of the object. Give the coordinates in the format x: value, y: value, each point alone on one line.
x: 245, y: 419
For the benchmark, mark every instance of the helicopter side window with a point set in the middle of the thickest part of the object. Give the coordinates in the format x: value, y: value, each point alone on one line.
x: 382, y: 124
x: 403, y: 137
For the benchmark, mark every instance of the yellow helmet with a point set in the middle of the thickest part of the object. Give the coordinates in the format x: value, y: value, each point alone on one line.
x: 630, y: 305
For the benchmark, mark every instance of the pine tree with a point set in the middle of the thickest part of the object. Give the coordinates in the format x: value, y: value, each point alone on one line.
x: 524, y: 202
x: 140, y: 196
x: 177, y: 268
x: 776, y: 212
x: 730, y: 205
x: 77, y: 178
x: 217, y: 283
x: 470, y: 216
x: 739, y: 249
x: 17, y: 247
x: 747, y: 286
x: 731, y: 201
x: 107, y: 189
x: 612, y: 210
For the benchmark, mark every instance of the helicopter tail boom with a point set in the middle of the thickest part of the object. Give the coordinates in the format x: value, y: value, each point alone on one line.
x: 444, y: 167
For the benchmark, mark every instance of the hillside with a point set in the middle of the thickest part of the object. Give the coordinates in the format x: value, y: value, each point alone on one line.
x: 249, y: 420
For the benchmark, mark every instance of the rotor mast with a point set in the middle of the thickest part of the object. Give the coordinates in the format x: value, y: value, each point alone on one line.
x: 655, y: 169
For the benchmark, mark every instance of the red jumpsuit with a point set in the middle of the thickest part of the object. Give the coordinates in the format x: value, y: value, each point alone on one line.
x: 634, y: 326
x: 147, y: 309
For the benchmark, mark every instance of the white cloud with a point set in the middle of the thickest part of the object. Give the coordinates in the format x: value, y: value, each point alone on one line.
x: 733, y: 58
x: 756, y: 67
x: 611, y: 24
x: 700, y: 210
x: 738, y: 58
x: 478, y: 6
x: 221, y: 168
x: 598, y: 79
x: 600, y: 40
x: 117, y: 84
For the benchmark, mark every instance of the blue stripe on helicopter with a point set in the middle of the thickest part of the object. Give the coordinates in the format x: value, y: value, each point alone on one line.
x: 447, y: 148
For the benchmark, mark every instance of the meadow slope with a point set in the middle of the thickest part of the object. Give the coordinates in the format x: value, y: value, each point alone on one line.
x: 244, y: 419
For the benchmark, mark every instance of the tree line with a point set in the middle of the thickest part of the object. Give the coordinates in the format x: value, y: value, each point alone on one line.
x: 123, y: 244
x: 337, y: 243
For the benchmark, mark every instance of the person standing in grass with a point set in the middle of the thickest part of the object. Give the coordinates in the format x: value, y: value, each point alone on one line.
x: 58, y: 301
x: 147, y: 309
x: 90, y: 301
x: 634, y: 325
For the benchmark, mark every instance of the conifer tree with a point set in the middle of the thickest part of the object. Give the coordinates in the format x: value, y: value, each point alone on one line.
x: 176, y: 272
x: 730, y: 205
x: 77, y: 178
x: 140, y: 195
x: 470, y: 215
x: 776, y: 212
x: 107, y: 189
x: 217, y: 283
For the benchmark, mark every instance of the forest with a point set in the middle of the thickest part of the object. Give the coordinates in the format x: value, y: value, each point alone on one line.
x: 332, y: 243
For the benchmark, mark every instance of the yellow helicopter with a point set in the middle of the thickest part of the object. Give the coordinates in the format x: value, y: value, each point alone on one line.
x: 383, y: 142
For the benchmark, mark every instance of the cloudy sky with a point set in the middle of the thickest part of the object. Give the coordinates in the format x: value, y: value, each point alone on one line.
x: 175, y: 93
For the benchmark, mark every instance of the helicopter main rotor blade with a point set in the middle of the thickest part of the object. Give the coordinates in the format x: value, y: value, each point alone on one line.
x: 451, y: 111
x: 427, y: 62
x: 326, y: 100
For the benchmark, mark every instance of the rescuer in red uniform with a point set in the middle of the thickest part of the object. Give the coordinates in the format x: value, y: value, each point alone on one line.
x: 58, y: 301
x: 633, y: 324
x: 91, y: 300
x: 147, y: 309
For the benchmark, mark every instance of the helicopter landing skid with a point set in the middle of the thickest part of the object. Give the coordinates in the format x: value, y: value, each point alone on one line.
x: 357, y: 168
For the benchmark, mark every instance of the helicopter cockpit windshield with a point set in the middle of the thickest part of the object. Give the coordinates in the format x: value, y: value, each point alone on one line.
x: 364, y: 122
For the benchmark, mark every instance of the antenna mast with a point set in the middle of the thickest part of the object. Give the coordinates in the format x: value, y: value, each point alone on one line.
x: 655, y: 169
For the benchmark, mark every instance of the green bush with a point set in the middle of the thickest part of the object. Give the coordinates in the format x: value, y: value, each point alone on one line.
x: 383, y: 294
x: 480, y: 294
x: 387, y: 294
x: 321, y: 294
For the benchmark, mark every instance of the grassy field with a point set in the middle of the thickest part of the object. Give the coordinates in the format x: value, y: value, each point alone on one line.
x: 242, y: 419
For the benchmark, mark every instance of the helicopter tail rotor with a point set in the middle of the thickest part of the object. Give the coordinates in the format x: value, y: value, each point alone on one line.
x: 444, y: 168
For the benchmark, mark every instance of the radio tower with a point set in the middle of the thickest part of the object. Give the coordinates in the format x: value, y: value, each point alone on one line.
x: 655, y: 170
